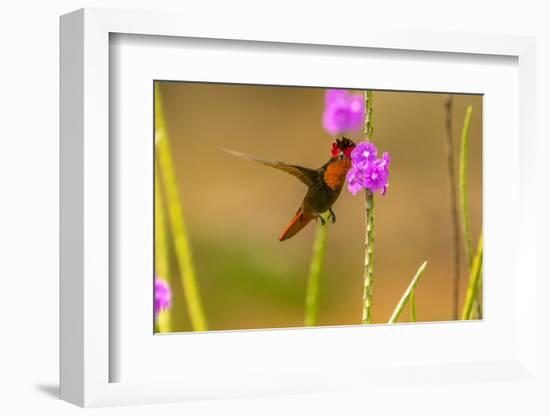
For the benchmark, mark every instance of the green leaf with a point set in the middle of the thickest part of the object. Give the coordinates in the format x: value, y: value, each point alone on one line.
x: 408, y: 293
x: 412, y: 301
x: 473, y: 283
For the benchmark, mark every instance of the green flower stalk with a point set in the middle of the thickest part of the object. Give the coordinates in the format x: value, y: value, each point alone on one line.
x: 370, y: 173
x: 368, y: 270
x: 175, y: 215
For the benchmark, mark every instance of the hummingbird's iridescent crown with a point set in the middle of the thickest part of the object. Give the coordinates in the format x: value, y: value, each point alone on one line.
x: 342, y: 145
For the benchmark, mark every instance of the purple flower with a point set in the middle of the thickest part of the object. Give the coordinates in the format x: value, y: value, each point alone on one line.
x: 368, y: 172
x: 344, y: 112
x: 163, y: 296
x: 364, y: 154
x: 355, y: 178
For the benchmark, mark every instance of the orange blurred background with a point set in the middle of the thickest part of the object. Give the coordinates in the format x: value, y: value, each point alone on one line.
x: 235, y: 209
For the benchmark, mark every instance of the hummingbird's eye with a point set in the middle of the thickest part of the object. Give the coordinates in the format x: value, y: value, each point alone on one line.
x: 341, y: 155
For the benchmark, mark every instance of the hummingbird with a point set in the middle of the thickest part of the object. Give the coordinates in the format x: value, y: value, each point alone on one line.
x: 324, y: 184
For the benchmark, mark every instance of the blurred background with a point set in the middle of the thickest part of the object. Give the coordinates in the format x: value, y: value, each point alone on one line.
x: 235, y: 209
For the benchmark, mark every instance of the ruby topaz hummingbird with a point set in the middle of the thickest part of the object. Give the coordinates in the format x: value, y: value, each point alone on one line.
x: 324, y: 184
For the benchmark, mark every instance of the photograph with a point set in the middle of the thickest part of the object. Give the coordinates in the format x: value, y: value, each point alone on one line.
x: 288, y: 206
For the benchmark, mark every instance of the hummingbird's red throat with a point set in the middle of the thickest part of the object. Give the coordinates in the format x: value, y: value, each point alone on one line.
x: 342, y: 145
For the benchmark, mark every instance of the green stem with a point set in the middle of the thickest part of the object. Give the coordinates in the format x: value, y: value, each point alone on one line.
x: 315, y: 271
x: 369, y: 258
x: 473, y: 283
x: 175, y: 215
x: 479, y: 298
x: 368, y: 271
x: 369, y: 116
x: 455, y: 220
x: 161, y: 250
x: 412, y: 301
x: 464, y: 149
x: 406, y: 296
x: 463, y: 185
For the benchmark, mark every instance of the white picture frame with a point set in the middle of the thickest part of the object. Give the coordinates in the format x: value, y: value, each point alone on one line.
x: 87, y: 302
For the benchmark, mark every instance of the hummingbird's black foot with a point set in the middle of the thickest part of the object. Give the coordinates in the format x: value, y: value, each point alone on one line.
x: 332, y: 215
x: 323, y: 222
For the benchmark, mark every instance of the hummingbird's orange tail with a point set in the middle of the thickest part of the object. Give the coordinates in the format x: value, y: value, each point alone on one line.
x: 300, y: 220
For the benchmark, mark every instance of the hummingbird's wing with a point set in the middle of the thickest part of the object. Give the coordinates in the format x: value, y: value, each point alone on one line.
x: 307, y: 176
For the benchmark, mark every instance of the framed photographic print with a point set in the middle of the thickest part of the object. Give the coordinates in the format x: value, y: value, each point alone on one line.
x: 281, y: 213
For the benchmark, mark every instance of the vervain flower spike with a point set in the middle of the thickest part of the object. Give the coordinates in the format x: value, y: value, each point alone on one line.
x: 344, y: 112
x: 367, y: 171
x: 163, y: 296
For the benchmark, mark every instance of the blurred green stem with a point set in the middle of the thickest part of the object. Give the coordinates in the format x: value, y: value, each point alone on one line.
x: 161, y: 250
x: 473, y: 283
x: 408, y: 293
x: 175, y: 215
x: 315, y: 271
x: 455, y: 221
x: 463, y: 187
x: 479, y: 298
x: 368, y: 272
x: 412, y: 301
